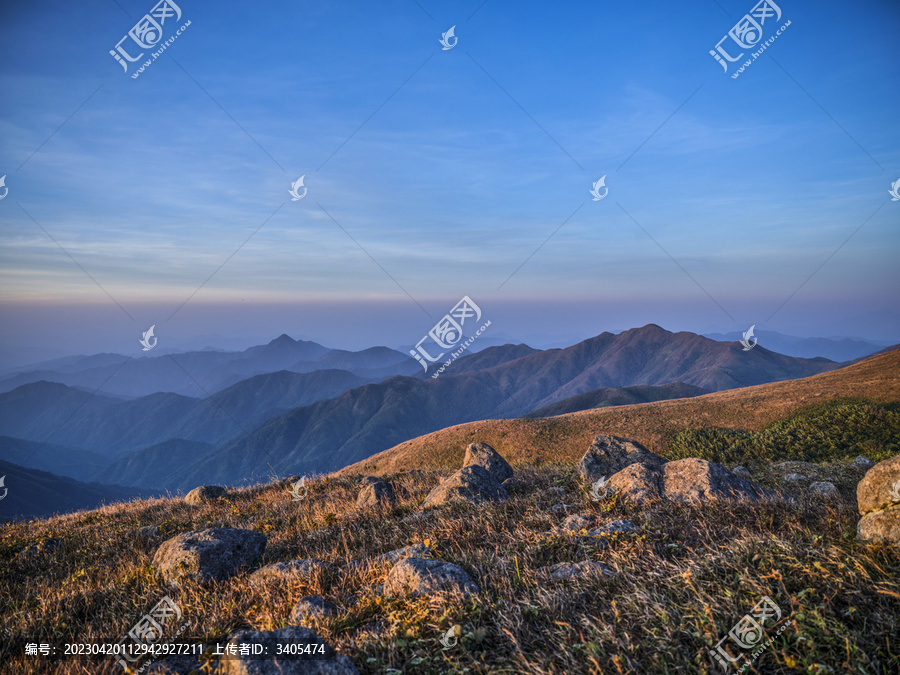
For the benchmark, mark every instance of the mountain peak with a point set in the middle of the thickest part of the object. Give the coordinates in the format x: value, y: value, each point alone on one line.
x: 283, y: 339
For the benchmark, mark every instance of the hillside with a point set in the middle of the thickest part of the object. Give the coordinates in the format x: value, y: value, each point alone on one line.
x: 653, y: 424
x: 613, y: 396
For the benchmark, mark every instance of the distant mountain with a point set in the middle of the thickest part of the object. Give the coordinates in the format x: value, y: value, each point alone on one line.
x: 365, y: 420
x: 845, y: 349
x: 151, y: 467
x: 613, y: 396
x: 33, y: 494
x: 60, y: 460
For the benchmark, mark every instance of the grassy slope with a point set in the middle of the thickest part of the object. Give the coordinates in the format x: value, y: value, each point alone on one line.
x: 566, y: 437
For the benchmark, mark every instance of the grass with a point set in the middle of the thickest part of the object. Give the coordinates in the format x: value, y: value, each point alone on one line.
x: 680, y: 584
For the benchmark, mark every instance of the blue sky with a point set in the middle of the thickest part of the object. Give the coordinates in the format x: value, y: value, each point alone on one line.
x: 467, y: 160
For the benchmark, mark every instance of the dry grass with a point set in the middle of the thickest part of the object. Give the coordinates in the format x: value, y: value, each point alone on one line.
x: 564, y: 438
x: 681, y: 583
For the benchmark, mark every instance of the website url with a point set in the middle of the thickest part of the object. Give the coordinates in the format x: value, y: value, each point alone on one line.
x: 464, y: 347
x: 156, y: 54
x: 759, y: 51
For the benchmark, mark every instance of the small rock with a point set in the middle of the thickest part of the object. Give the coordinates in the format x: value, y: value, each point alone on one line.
x: 742, y: 472
x: 204, y: 494
x: 862, y: 463
x: 302, y: 568
x: 483, y: 455
x: 312, y: 607
x: 610, y: 454
x: 617, y: 526
x: 417, y: 576
x: 472, y: 484
x: 414, y: 551
x: 322, y: 661
x: 370, y: 480
x: 880, y: 527
x: 824, y: 489
x: 575, y: 523
x: 215, y: 553
x: 794, y: 478
x: 567, y: 570
x: 375, y: 494
x: 880, y: 487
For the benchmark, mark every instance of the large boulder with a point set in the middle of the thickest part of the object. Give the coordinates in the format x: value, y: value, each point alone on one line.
x: 211, y: 554
x: 204, y: 494
x: 695, y: 480
x: 311, y: 654
x: 610, y: 454
x: 880, y: 487
x: 374, y: 494
x: 637, y: 482
x: 472, y: 484
x: 418, y: 576
x: 881, y: 527
x: 483, y: 455
x: 302, y: 568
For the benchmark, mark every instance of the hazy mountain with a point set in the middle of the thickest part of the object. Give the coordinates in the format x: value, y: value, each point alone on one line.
x: 844, y: 349
x: 33, y: 493
x: 61, y: 460
x: 606, y: 397
x: 365, y: 420
x: 151, y: 467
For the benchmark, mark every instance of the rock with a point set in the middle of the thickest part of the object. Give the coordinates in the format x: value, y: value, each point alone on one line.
x: 204, y: 494
x: 693, y: 480
x: 880, y: 487
x: 312, y: 607
x: 862, y: 463
x: 742, y: 472
x: 483, y: 455
x: 556, y: 491
x: 824, y: 489
x: 302, y: 568
x: 794, y: 478
x: 637, y: 482
x: 514, y: 484
x: 214, y: 553
x: 322, y: 661
x: 414, y: 517
x: 414, y: 551
x: 370, y: 480
x: 575, y: 523
x: 375, y: 494
x: 471, y: 484
x: 610, y: 454
x: 880, y: 527
x: 617, y: 526
x: 417, y: 576
x: 567, y: 570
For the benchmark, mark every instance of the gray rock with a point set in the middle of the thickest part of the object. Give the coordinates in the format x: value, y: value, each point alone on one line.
x: 693, y: 480
x: 514, y: 484
x: 742, y: 472
x: 483, y: 455
x: 375, y: 494
x: 637, y: 483
x: 413, y: 551
x: 610, y: 454
x: 580, y: 570
x: 575, y: 523
x: 617, y: 526
x: 824, y: 489
x: 794, y: 478
x: 862, y: 463
x: 214, y: 553
x: 370, y: 480
x: 302, y: 568
x: 880, y: 487
x: 323, y: 661
x: 312, y: 607
x: 204, y: 494
x: 417, y: 577
x: 472, y: 484
x: 880, y: 527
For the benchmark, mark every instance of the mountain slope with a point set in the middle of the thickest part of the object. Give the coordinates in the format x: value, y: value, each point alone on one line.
x: 60, y: 460
x: 601, y: 398
x: 653, y: 424
x: 152, y: 467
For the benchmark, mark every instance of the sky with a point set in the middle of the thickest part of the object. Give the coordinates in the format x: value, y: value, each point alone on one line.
x: 431, y: 174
